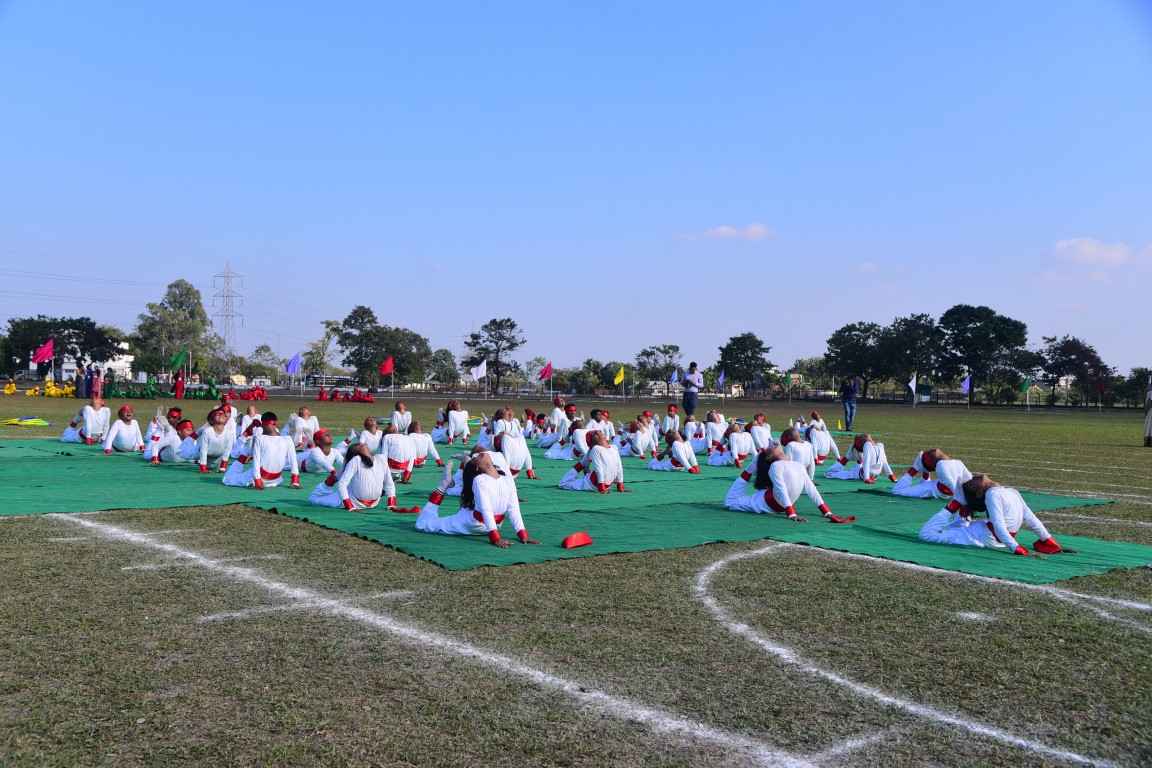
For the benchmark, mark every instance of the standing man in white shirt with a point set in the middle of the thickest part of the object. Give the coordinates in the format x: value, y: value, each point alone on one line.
x: 693, y: 382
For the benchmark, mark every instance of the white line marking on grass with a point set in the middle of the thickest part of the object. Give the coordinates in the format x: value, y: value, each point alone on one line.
x: 659, y: 721
x: 974, y: 616
x: 302, y: 605
x: 851, y: 745
x: 70, y: 539
x: 185, y: 563
x: 701, y: 589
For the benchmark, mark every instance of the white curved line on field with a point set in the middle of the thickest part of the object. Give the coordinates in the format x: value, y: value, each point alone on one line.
x: 702, y: 591
x: 605, y: 703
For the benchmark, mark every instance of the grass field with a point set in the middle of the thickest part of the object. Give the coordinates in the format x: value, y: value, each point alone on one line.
x: 231, y: 636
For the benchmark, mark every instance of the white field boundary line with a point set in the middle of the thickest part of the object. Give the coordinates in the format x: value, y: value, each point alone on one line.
x: 851, y: 745
x: 701, y: 590
x: 301, y: 605
x: 661, y: 722
x: 1056, y: 593
x: 185, y: 563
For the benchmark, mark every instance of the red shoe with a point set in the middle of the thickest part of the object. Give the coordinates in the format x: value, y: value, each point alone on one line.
x: 871, y: 481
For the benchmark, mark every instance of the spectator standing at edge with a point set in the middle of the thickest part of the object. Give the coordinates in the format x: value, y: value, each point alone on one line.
x: 693, y: 380
x: 1148, y: 415
x: 848, y: 390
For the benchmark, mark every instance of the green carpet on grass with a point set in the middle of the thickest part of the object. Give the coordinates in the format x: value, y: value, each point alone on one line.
x: 665, y: 510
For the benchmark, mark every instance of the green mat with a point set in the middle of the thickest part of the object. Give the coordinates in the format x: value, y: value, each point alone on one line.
x: 665, y: 510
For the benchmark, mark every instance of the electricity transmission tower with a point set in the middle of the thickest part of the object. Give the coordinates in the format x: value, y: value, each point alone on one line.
x: 229, y: 317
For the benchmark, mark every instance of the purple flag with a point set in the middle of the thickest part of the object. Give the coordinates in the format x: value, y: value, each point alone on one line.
x: 293, y: 365
x: 966, y: 384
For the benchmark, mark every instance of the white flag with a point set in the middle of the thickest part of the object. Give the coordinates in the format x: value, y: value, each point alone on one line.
x: 912, y: 384
x: 480, y: 371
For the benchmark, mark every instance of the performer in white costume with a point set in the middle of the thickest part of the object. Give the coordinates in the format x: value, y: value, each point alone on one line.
x: 216, y: 442
x: 676, y: 457
x: 601, y: 468
x: 124, y: 434
x: 361, y: 484
x: 1007, y: 514
x: 264, y: 468
x: 488, y: 497
x: 798, y: 451
x: 401, y: 417
x: 90, y: 424
x: 371, y: 435
x: 498, y: 460
x: 455, y: 426
x: 323, y: 457
x: 671, y: 422
x: 821, y: 439
x: 949, y: 473
x: 510, y: 442
x: 400, y: 451
x: 424, y: 446
x: 865, y: 460
x: 301, y: 427
x: 761, y: 432
x: 778, y: 485
x: 572, y: 445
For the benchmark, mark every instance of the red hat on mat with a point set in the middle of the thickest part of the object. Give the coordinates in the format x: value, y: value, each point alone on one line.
x: 576, y: 540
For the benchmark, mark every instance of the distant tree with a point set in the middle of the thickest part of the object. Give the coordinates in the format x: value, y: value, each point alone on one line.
x: 1131, y: 389
x: 495, y: 342
x: 588, y: 379
x: 657, y: 363
x: 854, y: 348
x: 910, y: 346
x: 367, y: 343
x: 532, y: 369
x: 608, y: 373
x: 76, y: 337
x: 178, y: 321
x: 319, y: 355
x: 443, y: 368
x: 814, y: 372
x: 742, y: 358
x: 264, y: 362
x: 1074, y: 359
x: 982, y: 342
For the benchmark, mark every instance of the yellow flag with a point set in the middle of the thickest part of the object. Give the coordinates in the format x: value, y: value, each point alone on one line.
x: 619, y: 376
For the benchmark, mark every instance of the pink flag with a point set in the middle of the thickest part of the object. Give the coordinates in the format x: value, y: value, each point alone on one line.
x: 546, y: 371
x: 44, y: 354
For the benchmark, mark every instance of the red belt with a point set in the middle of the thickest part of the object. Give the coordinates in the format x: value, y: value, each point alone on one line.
x: 266, y: 475
x: 944, y: 489
x: 992, y: 528
x: 393, y: 464
x: 480, y: 518
x: 676, y: 463
x: 369, y: 502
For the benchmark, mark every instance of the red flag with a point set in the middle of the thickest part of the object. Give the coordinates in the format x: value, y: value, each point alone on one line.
x: 386, y: 366
x: 546, y: 371
x: 1100, y: 386
x: 44, y: 354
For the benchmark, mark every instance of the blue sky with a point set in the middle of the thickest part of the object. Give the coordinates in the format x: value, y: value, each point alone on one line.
x: 610, y: 175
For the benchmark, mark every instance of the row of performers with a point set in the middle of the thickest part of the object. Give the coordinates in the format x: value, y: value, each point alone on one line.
x: 361, y: 470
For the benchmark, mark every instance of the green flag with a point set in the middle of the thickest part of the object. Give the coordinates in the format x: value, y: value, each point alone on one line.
x: 177, y: 360
x: 1024, y: 385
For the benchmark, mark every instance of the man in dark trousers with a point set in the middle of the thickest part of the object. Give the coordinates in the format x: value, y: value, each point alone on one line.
x: 848, y: 396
